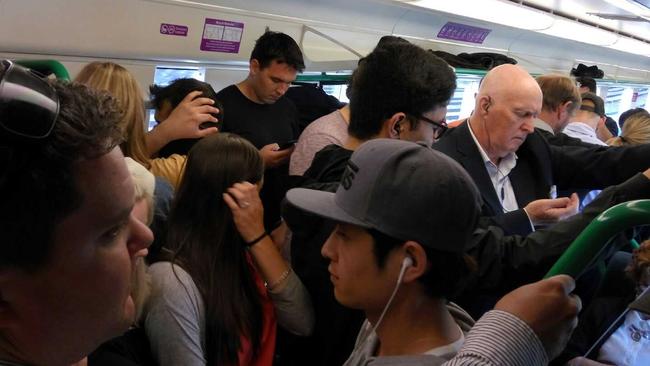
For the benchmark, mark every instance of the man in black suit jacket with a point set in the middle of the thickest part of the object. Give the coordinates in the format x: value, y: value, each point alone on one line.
x: 516, y: 169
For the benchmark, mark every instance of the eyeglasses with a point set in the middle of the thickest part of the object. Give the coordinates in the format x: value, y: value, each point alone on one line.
x: 439, y: 128
x: 29, y: 105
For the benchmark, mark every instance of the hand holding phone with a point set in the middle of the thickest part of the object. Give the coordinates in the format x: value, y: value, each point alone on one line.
x: 287, y: 145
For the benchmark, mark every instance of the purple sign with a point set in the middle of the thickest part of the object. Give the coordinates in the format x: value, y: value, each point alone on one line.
x: 221, y: 36
x: 462, y: 32
x: 173, y: 29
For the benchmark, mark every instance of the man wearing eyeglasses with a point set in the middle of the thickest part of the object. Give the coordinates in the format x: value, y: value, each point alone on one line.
x: 391, y: 82
x: 69, y: 238
x: 400, y: 92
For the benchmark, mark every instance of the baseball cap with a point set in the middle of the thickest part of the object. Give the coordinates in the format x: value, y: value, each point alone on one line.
x: 402, y: 189
x: 599, y: 105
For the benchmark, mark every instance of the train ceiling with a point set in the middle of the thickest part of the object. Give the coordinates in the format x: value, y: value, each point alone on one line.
x: 631, y: 17
x: 618, y: 24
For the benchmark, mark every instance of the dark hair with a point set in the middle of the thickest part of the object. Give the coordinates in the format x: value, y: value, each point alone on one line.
x: 448, y: 272
x: 179, y: 89
x: 206, y: 243
x: 389, y: 40
x: 587, y: 82
x: 397, y: 77
x: 629, y: 113
x: 37, y: 178
x: 279, y: 47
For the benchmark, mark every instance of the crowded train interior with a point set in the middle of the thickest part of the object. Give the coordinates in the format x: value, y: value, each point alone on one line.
x: 329, y: 183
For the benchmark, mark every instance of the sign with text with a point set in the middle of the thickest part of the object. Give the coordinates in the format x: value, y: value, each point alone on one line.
x: 173, y: 29
x: 221, y: 36
x: 462, y: 32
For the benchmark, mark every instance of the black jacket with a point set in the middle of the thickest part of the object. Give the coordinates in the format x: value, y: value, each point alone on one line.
x: 504, y: 261
x: 543, y: 161
x: 336, y: 327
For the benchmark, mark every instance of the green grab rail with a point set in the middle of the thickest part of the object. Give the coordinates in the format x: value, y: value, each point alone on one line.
x: 340, y: 78
x: 46, y: 67
x: 585, y: 249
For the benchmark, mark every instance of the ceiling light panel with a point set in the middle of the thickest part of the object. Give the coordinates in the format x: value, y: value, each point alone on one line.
x: 495, y: 11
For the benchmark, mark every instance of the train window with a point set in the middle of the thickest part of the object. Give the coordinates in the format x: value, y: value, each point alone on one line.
x: 620, y: 97
x: 337, y: 91
x: 461, y: 104
x: 164, y: 75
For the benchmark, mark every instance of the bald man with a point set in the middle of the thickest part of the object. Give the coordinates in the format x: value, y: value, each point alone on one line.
x: 515, y: 167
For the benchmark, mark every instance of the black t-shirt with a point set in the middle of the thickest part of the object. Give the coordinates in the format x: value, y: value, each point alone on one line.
x: 262, y: 124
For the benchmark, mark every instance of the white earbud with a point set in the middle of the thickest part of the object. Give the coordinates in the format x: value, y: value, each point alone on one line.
x: 407, y: 262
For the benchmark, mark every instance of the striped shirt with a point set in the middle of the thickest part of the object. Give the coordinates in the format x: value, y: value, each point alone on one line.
x: 500, y: 338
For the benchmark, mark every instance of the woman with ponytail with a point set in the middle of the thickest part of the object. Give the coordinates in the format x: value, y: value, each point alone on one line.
x: 636, y: 131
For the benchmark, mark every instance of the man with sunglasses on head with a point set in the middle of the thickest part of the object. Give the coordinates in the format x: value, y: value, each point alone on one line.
x: 70, y: 239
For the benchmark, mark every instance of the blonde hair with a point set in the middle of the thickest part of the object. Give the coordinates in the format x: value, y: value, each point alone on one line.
x: 119, y: 82
x: 636, y: 131
x: 144, y: 184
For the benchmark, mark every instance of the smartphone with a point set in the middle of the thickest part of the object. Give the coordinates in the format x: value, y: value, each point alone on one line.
x: 205, y: 125
x: 287, y: 145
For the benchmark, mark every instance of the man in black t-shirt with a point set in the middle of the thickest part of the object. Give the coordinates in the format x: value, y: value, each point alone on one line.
x: 258, y: 111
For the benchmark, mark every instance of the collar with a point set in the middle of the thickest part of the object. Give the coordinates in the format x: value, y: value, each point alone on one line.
x: 542, y: 125
x: 508, y: 159
x: 583, y: 132
x: 581, y: 128
x: 448, y: 350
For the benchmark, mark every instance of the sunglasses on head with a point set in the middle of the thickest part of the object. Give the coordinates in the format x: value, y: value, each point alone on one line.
x: 29, y: 105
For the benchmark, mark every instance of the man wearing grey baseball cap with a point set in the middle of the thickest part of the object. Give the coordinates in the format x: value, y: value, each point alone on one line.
x: 391, y: 257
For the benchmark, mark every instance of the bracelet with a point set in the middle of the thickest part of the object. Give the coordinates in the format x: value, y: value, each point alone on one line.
x: 282, y: 278
x: 256, y: 240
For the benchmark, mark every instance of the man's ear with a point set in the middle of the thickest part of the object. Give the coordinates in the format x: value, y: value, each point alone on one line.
x: 564, y: 108
x: 484, y: 104
x: 395, y: 125
x: 254, y: 66
x: 419, y: 264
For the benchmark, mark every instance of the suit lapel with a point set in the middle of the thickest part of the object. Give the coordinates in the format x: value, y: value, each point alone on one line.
x: 522, y: 180
x: 531, y: 177
x: 470, y: 159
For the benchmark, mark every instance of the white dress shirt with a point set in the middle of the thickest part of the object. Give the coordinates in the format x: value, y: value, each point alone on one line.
x: 587, y: 134
x: 584, y: 132
x: 499, y: 176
